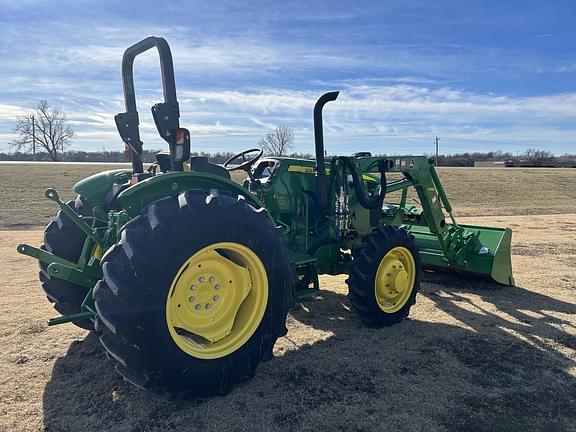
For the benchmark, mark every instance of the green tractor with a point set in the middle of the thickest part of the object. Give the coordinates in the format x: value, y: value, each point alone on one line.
x: 187, y: 276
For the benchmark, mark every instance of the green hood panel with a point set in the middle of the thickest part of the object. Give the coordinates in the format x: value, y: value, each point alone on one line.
x: 95, y: 187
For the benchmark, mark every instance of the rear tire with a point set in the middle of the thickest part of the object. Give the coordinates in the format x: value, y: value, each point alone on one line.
x: 63, y: 238
x: 366, y: 283
x: 140, y: 272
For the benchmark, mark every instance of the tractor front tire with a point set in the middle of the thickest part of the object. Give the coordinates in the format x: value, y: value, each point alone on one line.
x: 385, y: 276
x: 63, y: 238
x: 194, y: 295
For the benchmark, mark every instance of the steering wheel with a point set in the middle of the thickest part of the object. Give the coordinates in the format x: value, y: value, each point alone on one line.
x: 246, y: 163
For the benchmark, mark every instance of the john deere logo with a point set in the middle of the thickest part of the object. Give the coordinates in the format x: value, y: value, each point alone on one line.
x: 305, y: 169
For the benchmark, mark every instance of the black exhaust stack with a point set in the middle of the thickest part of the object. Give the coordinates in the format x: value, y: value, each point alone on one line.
x: 321, y: 192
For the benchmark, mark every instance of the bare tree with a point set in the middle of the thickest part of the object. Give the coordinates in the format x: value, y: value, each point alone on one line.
x: 278, y: 142
x: 47, y: 128
x: 538, y: 155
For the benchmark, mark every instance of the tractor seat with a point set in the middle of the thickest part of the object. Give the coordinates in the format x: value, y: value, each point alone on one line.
x: 163, y: 159
x: 200, y: 163
x: 197, y: 163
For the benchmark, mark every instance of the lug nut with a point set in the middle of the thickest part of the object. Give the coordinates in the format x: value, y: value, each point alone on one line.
x: 211, y: 279
x: 191, y: 299
x: 197, y: 307
x: 216, y: 298
x: 217, y: 286
x: 208, y: 305
x: 193, y: 287
x: 201, y: 279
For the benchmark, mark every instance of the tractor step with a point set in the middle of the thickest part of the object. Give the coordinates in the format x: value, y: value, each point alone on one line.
x: 306, y: 271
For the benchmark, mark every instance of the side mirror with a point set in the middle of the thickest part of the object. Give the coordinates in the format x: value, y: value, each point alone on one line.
x: 180, y: 150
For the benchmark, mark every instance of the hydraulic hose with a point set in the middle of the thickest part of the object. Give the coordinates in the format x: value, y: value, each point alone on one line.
x: 365, y: 201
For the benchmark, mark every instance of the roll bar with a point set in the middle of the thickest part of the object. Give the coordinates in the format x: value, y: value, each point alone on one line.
x: 166, y: 114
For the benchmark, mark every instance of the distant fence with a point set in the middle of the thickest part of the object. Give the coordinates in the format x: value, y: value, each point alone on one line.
x: 489, y: 164
x: 524, y: 163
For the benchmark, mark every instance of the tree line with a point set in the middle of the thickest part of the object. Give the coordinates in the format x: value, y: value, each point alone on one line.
x: 148, y: 156
x: 532, y: 156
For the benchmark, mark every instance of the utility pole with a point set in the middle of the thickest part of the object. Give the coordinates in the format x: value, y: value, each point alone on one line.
x: 33, y: 137
x: 436, y: 139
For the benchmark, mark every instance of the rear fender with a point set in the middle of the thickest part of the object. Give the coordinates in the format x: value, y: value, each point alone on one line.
x: 137, y: 197
x: 94, y: 188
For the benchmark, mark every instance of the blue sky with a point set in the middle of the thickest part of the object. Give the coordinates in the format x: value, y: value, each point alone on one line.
x: 482, y: 75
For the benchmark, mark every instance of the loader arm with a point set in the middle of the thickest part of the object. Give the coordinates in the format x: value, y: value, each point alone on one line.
x: 442, y: 241
x: 445, y: 243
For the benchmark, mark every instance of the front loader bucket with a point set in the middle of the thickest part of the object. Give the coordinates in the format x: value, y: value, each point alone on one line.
x: 480, y: 251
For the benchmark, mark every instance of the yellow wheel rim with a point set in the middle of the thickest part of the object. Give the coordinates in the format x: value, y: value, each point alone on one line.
x: 395, y: 278
x: 217, y: 300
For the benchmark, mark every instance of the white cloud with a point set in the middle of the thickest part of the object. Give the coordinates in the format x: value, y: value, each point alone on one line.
x: 397, y: 102
x: 10, y: 112
x: 566, y: 68
x: 363, y: 114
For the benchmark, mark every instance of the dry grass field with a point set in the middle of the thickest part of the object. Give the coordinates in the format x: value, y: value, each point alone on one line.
x: 23, y: 187
x: 473, y: 192
x: 473, y: 356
